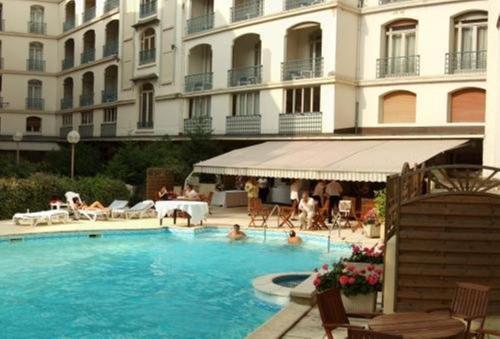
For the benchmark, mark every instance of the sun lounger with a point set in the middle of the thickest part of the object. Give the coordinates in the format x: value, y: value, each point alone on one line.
x: 91, y: 214
x: 42, y: 217
x: 116, y: 206
x: 139, y: 210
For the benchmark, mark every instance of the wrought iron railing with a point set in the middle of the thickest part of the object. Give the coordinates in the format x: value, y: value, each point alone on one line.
x: 398, y: 66
x: 37, y: 27
x: 145, y: 124
x: 68, y: 63
x: 466, y: 62
x: 301, y: 123
x: 36, y: 65
x: 291, y: 4
x: 198, y: 82
x: 200, y: 124
x: 108, y: 129
x: 86, y: 131
x: 67, y: 103
x: 302, y: 69
x: 148, y: 9
x: 35, y: 103
x: 109, y: 95
x: 200, y: 23
x: 110, y: 48
x: 385, y: 2
x: 86, y: 99
x: 111, y: 4
x: 64, y: 130
x: 88, y: 14
x: 147, y: 56
x: 245, y: 76
x: 247, y: 10
x: 243, y: 124
x: 88, y: 56
x: 68, y: 24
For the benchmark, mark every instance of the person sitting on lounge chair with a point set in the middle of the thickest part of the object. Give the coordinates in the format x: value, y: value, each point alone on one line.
x: 236, y: 234
x: 95, y: 206
x: 307, y: 207
x: 293, y: 238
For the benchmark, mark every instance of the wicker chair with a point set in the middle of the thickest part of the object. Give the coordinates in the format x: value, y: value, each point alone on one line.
x: 354, y: 333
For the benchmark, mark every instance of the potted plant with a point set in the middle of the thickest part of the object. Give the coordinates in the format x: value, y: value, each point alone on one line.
x: 358, y: 289
x: 371, y: 224
x: 362, y: 257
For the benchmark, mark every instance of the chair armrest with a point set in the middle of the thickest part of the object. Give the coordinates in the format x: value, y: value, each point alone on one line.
x: 332, y: 326
x: 489, y: 332
x: 363, y: 315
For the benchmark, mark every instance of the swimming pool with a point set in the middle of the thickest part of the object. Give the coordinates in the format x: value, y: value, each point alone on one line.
x: 143, y: 284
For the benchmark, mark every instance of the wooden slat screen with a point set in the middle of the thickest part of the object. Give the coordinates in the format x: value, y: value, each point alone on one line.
x: 399, y: 107
x: 468, y: 105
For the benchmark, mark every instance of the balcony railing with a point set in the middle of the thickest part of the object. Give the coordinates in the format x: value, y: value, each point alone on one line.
x: 36, y: 65
x: 2, y: 25
x: 385, y: 2
x: 198, y: 82
x: 88, y: 56
x: 68, y: 63
x: 249, y: 9
x: 109, y: 95
x: 37, y: 27
x: 88, y: 14
x: 145, y: 124
x: 148, y: 9
x: 245, y: 76
x: 300, y: 123
x: 398, y: 66
x: 67, y: 103
x: 147, y: 56
x: 111, y: 4
x: 109, y: 49
x: 200, y: 23
x: 302, y: 69
x: 86, y: 131
x: 201, y: 124
x: 35, y: 103
x: 68, y: 24
x: 291, y: 4
x: 243, y: 124
x: 466, y: 62
x: 64, y: 130
x: 108, y: 129
x: 86, y: 99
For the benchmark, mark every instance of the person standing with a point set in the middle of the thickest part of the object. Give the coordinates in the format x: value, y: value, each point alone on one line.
x: 294, y: 196
x: 319, y: 192
x: 263, y: 189
x: 252, y: 192
x: 334, y: 191
x: 307, y: 207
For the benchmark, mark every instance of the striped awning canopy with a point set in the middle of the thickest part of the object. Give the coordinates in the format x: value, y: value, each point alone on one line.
x: 344, y: 160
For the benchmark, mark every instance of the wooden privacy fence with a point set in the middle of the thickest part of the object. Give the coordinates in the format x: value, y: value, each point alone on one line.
x: 446, y: 221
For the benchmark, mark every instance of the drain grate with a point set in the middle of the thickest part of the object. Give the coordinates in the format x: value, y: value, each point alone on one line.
x: 14, y: 240
x: 95, y: 235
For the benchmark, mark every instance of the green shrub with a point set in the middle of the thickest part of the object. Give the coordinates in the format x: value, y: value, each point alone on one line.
x: 34, y: 193
x: 380, y: 202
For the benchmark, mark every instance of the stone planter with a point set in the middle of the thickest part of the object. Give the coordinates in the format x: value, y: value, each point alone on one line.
x: 371, y: 230
x: 361, y: 303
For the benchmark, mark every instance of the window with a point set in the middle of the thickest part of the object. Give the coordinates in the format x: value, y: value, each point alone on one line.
x: 34, y: 89
x: 401, y: 38
x: 468, y: 105
x: 471, y: 32
x: 87, y: 118
x: 246, y: 103
x: 33, y: 124
x: 302, y: 100
x: 398, y: 107
x: 36, y: 51
x: 67, y: 119
x: 148, y: 40
x: 147, y: 104
x: 37, y: 14
x: 199, y: 107
x: 110, y: 115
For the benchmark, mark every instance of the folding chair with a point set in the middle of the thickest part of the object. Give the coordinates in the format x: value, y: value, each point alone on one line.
x: 285, y: 216
x: 319, y: 220
x: 345, y: 210
x: 258, y: 213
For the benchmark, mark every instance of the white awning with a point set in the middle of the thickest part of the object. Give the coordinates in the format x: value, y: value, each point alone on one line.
x: 346, y: 160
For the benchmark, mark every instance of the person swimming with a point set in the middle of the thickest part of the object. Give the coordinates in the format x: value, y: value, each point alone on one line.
x: 293, y: 238
x: 236, y: 234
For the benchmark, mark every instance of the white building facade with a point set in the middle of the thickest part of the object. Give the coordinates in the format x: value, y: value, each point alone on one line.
x: 251, y: 69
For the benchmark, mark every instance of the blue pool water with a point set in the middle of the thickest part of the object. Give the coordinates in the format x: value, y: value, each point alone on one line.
x: 156, y: 284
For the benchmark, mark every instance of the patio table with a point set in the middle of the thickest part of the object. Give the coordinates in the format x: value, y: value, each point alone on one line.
x: 418, y: 325
x: 234, y: 198
x: 196, y: 210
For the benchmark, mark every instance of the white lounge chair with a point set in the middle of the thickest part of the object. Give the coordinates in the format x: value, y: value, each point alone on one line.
x: 139, y: 210
x: 89, y: 214
x: 116, y: 206
x: 42, y: 217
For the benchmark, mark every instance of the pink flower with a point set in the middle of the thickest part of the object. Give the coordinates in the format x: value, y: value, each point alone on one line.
x: 362, y: 272
x: 381, y: 247
x: 343, y: 280
x: 317, y: 281
x: 379, y: 271
x: 352, y: 280
x: 370, y: 267
x: 356, y: 249
x: 372, y: 279
x: 350, y: 268
x: 325, y: 267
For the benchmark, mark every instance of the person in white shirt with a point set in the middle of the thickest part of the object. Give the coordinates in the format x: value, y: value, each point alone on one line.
x: 294, y: 196
x: 190, y: 193
x: 307, y: 207
x: 263, y: 189
x: 333, y: 190
x: 319, y: 192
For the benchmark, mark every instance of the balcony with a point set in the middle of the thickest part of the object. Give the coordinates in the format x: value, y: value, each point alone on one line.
x: 148, y: 9
x: 86, y: 100
x: 247, y: 10
x: 386, y: 2
x: 35, y: 103
x: 300, y: 123
x: 466, y: 62
x: 291, y: 4
x: 109, y: 49
x: 37, y: 27
x: 35, y: 65
x: 88, y: 56
x: 147, y: 56
x: 200, y: 23
x: 108, y: 129
x: 66, y: 103
x: 86, y: 131
x: 200, y: 124
x: 145, y: 125
x: 88, y: 14
x: 398, y: 66
x: 302, y: 69
x: 68, y: 25
x: 245, y: 76
x: 64, y: 130
x: 243, y: 125
x: 109, y: 95
x: 110, y: 5
x: 198, y: 82
x: 68, y: 63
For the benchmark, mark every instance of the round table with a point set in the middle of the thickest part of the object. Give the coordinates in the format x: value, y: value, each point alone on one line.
x: 418, y: 325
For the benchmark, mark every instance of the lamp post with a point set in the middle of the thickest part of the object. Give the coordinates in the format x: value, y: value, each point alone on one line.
x: 17, y: 137
x: 73, y: 138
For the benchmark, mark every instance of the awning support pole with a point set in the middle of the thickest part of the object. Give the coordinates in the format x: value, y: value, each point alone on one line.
x: 187, y: 179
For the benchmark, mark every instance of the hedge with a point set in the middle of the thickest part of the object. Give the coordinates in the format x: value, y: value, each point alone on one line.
x: 35, y: 192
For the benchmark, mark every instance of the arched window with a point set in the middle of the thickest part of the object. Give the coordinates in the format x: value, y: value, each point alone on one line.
x: 33, y: 125
x: 87, y: 97
x: 89, y: 10
x: 88, y: 54
x: 35, y: 61
x: 111, y: 46
x: 37, y: 24
x: 148, y: 49
x: 398, y: 107
x: 69, y: 54
x: 399, y: 56
x: 468, y: 105
x: 34, y: 89
x: 110, y: 92
x: 69, y: 10
x: 147, y: 106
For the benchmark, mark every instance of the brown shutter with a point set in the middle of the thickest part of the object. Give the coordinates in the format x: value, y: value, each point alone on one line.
x: 468, y: 105
x: 399, y: 107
